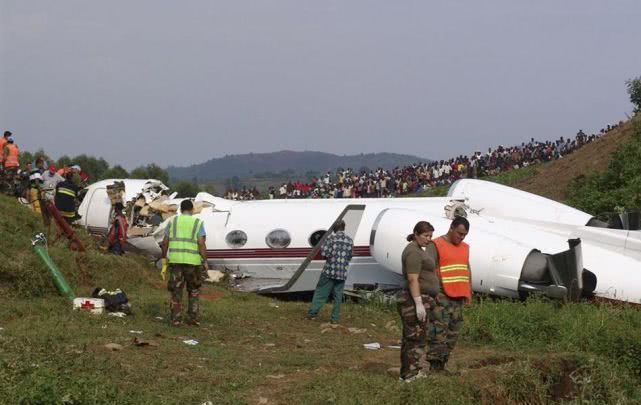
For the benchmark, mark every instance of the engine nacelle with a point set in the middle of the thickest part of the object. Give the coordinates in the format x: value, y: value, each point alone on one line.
x: 502, y: 261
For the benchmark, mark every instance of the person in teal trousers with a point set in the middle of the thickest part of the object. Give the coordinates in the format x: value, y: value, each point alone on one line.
x: 337, y: 250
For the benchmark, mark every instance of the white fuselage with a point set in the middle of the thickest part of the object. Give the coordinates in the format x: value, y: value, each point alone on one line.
x: 506, y: 226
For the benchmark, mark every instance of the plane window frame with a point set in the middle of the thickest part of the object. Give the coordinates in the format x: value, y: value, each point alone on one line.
x: 237, y: 246
x: 271, y: 245
x: 309, y: 239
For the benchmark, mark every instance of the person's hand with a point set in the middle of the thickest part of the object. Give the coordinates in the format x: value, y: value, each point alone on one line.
x: 163, y: 271
x: 421, y: 314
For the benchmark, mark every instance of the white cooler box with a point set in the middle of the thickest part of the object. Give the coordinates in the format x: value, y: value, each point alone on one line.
x: 93, y: 305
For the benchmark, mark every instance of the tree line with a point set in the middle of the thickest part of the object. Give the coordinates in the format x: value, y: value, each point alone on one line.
x: 99, y: 169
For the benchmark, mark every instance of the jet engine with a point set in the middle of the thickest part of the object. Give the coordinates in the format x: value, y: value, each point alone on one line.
x: 505, y: 259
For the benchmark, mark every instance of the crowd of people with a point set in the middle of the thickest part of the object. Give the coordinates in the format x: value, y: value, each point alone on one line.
x: 38, y: 182
x: 418, y: 177
x: 243, y: 194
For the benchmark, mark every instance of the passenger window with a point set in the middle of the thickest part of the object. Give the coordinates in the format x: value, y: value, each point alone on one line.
x: 278, y: 239
x: 316, y: 237
x: 236, y: 239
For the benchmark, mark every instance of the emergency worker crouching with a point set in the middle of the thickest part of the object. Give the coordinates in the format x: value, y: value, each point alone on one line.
x: 184, y: 254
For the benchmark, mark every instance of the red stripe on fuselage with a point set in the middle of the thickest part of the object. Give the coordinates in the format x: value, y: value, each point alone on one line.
x: 268, y: 253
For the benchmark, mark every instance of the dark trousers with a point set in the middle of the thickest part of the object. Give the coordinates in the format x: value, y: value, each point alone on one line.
x: 116, y: 249
x: 327, y: 286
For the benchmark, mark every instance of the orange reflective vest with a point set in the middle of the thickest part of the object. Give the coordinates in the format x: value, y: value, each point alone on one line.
x: 453, y: 268
x: 3, y: 142
x: 12, y: 157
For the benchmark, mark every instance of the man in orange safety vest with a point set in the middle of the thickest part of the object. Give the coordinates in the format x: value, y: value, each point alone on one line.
x: 453, y: 270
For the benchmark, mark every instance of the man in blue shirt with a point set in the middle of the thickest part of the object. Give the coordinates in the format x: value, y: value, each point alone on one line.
x: 337, y: 251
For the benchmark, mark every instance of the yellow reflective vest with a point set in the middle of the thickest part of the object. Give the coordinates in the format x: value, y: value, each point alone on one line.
x: 183, y: 240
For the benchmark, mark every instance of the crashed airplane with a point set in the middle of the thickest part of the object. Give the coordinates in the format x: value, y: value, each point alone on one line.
x: 520, y: 242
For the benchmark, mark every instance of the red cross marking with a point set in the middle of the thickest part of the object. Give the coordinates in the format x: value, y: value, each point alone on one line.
x: 87, y: 305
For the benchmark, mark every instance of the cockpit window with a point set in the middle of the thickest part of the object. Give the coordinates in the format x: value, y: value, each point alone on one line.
x: 278, y: 239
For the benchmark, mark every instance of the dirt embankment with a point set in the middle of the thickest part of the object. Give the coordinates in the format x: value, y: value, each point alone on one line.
x: 552, y: 179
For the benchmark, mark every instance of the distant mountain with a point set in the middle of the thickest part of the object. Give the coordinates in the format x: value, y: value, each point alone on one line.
x: 286, y: 163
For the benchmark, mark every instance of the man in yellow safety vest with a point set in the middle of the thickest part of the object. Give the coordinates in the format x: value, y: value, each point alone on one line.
x: 185, y: 256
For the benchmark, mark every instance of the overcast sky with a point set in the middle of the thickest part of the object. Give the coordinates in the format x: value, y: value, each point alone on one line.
x: 178, y: 83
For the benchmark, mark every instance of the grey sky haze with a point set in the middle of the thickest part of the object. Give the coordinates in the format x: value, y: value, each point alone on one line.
x: 178, y: 83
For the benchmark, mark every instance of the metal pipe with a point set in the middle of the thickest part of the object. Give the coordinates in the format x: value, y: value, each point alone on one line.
x: 39, y: 243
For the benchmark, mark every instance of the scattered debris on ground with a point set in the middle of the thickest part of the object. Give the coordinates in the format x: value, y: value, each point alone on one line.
x: 114, y: 347
x: 141, y: 343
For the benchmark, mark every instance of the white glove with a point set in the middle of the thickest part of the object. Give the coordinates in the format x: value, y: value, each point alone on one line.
x: 421, y: 314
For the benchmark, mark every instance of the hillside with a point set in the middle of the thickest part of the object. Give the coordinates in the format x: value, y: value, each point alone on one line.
x: 552, y: 179
x: 260, y: 350
x: 291, y: 163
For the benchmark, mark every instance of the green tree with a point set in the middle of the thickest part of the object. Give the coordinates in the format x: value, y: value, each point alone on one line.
x: 116, y: 172
x: 64, y: 161
x: 94, y: 167
x: 26, y: 157
x: 232, y: 183
x: 634, y: 90
x: 185, y: 189
x: 151, y: 171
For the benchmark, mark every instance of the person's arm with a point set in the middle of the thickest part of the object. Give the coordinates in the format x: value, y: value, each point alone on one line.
x: 164, y: 246
x: 413, y: 264
x: 413, y: 284
x: 350, y: 251
x: 468, y: 301
x: 324, y: 251
x: 202, y: 248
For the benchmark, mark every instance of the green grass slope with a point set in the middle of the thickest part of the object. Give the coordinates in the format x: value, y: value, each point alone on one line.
x: 22, y: 273
x: 258, y: 350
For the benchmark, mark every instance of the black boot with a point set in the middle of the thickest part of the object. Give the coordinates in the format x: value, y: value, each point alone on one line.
x: 437, y: 365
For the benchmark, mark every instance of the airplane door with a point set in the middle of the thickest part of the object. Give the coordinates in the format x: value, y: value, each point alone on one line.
x: 352, y: 215
x: 98, y: 211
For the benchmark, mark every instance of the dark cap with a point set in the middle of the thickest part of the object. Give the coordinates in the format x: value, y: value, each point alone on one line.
x: 7, y: 134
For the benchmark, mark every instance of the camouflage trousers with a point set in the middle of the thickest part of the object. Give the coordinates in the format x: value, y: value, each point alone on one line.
x: 184, y: 275
x: 445, y: 319
x: 415, y: 335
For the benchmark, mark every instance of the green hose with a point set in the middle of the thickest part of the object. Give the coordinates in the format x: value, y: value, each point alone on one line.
x: 39, y: 243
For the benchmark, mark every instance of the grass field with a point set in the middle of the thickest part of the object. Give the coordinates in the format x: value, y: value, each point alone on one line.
x: 261, y: 350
